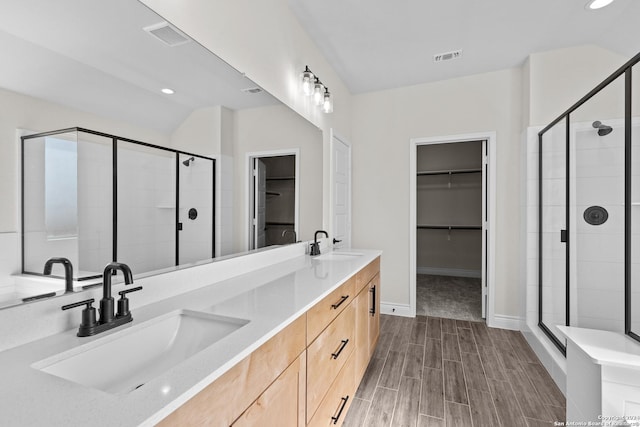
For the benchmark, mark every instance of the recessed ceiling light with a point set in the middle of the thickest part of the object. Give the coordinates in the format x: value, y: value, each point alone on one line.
x: 598, y: 4
x: 168, y: 91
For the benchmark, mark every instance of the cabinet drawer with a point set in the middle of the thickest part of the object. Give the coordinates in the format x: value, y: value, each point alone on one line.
x: 282, y: 404
x: 321, y: 314
x: 365, y: 275
x: 327, y: 355
x: 336, y: 403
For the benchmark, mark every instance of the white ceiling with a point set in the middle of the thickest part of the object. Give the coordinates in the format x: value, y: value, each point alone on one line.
x: 382, y: 44
x: 93, y: 55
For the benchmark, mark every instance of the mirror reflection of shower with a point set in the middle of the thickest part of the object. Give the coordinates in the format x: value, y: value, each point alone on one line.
x: 193, y: 159
x: 602, y: 128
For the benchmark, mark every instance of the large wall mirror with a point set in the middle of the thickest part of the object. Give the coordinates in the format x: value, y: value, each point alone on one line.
x: 101, y: 71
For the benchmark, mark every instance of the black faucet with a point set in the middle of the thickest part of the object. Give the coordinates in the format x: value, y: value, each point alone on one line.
x: 107, y: 301
x: 295, y: 236
x: 89, y: 326
x: 315, y: 246
x: 68, y: 271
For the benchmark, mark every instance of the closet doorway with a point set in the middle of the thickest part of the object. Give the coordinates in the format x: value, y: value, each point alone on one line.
x: 273, y: 207
x: 451, y: 233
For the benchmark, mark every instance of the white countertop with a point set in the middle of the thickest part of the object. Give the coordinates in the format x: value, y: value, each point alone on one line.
x: 271, y: 298
x: 605, y: 347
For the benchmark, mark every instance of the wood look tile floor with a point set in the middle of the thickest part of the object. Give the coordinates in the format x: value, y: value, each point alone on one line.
x: 437, y: 372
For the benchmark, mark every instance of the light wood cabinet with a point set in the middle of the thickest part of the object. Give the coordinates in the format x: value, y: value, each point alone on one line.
x: 367, y: 324
x: 374, y: 312
x: 327, y: 356
x: 222, y: 401
x: 338, y: 398
x: 307, y: 374
x: 282, y: 404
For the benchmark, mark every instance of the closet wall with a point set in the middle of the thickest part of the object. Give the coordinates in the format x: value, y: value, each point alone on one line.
x: 449, y: 209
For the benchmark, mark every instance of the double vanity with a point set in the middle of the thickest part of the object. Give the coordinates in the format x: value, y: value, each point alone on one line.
x: 287, y: 343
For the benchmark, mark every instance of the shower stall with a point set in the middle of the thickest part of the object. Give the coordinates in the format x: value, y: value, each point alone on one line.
x: 589, y: 211
x: 94, y: 198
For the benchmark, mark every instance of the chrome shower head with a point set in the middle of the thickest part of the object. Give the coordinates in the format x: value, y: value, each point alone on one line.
x: 602, y: 128
x: 188, y: 161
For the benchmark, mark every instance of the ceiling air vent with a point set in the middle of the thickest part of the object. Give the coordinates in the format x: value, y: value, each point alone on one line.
x: 448, y: 56
x: 167, y: 34
x: 254, y: 89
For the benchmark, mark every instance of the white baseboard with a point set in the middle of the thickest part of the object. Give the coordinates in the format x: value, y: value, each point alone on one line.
x: 396, y: 309
x: 501, y: 321
x: 454, y: 272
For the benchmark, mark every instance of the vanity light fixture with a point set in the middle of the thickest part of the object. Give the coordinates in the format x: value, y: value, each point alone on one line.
x: 598, y: 4
x: 307, y: 81
x: 327, y: 104
x: 312, y: 86
x: 318, y: 92
x: 167, y: 91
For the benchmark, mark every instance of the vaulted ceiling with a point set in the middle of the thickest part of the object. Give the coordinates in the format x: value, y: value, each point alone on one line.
x: 381, y: 44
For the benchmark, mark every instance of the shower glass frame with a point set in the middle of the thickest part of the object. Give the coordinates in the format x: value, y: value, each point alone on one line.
x: 625, y: 70
x: 114, y: 168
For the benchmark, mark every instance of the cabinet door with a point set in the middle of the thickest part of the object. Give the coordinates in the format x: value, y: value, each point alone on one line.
x: 374, y: 312
x: 282, y: 404
x: 363, y: 305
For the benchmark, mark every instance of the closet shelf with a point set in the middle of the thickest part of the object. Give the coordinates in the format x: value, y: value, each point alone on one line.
x: 449, y: 227
x: 449, y: 172
x: 278, y: 223
x: 281, y: 178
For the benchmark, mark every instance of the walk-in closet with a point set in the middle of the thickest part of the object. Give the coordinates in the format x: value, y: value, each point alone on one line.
x: 449, y: 235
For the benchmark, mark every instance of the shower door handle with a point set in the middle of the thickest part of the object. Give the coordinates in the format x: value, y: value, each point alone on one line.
x: 563, y: 236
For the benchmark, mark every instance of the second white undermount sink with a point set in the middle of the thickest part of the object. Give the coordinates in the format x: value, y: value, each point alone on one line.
x: 338, y: 256
x: 125, y: 361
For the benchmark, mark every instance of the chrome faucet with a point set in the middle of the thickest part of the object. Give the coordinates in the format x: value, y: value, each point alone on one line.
x: 315, y: 246
x: 89, y: 326
x: 68, y: 271
x: 287, y: 231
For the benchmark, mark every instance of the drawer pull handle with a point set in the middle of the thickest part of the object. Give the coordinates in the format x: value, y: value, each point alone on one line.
x: 337, y: 353
x: 339, y: 303
x: 373, y: 306
x: 344, y: 403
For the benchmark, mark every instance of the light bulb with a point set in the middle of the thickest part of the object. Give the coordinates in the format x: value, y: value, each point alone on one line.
x: 307, y: 81
x: 327, y: 104
x: 318, y: 93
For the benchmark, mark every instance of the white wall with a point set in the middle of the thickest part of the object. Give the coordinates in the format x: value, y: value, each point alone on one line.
x: 385, y: 121
x: 559, y: 78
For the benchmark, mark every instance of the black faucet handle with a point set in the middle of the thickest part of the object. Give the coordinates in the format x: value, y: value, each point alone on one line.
x: 128, y: 291
x: 86, y: 302
x: 123, y: 302
x: 336, y: 241
x: 88, y: 314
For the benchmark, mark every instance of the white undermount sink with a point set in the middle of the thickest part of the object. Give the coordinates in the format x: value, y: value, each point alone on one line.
x: 338, y: 256
x: 125, y: 361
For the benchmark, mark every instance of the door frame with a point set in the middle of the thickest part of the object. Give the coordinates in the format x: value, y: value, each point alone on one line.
x: 248, y: 211
x: 334, y: 135
x: 488, y: 267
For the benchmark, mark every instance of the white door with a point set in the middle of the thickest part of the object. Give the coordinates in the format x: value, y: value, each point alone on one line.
x: 341, y: 194
x: 260, y: 205
x: 485, y: 226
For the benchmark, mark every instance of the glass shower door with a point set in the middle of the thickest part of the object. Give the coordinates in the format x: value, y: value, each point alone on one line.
x: 195, y: 212
x: 597, y: 210
x: 553, y: 243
